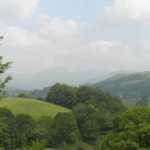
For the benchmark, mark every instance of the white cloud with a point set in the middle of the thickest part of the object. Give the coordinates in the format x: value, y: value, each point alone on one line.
x: 129, y: 10
x: 32, y: 51
x: 56, y: 43
x: 59, y: 43
x: 14, y: 10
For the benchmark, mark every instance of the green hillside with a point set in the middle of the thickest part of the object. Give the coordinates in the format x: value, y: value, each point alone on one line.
x: 128, y: 86
x: 32, y: 107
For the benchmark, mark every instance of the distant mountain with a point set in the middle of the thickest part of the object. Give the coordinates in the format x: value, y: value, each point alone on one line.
x: 132, y: 86
x: 38, y: 94
x: 12, y: 92
x: 49, y: 77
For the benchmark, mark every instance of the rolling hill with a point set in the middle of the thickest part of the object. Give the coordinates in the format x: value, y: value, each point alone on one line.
x: 32, y: 107
x: 132, y: 86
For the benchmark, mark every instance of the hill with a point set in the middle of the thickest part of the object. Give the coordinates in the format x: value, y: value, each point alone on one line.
x: 32, y: 107
x: 128, y: 86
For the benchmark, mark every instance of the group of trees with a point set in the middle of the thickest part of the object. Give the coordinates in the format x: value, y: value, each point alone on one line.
x: 93, y: 109
x: 22, y: 132
x: 91, y: 117
x: 102, y: 119
x: 131, y: 131
x: 69, y: 96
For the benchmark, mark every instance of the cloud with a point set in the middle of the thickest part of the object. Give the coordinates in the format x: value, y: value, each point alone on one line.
x: 129, y: 10
x: 32, y: 51
x: 15, y: 10
x: 59, y: 42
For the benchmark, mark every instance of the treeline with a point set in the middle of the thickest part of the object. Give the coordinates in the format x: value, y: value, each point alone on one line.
x: 70, y: 96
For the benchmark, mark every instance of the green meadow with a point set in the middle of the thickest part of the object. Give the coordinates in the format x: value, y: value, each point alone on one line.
x: 32, y: 107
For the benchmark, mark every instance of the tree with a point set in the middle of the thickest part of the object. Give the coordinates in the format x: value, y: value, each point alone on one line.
x: 62, y: 94
x: 132, y: 131
x: 41, y: 131
x: 64, y: 130
x: 111, y: 103
x: 119, y: 142
x: 3, y: 68
x: 87, y: 122
x: 24, y: 126
x: 6, y: 131
x: 36, y: 146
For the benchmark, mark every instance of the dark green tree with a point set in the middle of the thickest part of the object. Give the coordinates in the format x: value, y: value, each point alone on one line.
x: 6, y: 130
x: 64, y: 130
x: 24, y: 130
x: 87, y: 122
x: 42, y: 128
x: 132, y: 131
x: 62, y: 94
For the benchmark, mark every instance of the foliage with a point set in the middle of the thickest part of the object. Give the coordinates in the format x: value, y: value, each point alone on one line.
x: 6, y: 121
x: 24, y: 126
x: 41, y: 131
x: 3, y: 68
x: 64, y: 129
x: 36, y: 146
x: 94, y: 110
x: 87, y: 122
x: 131, y: 131
x: 70, y: 96
x: 62, y: 94
x: 90, y: 122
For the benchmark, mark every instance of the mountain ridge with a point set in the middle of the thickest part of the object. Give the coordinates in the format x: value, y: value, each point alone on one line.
x: 127, y: 86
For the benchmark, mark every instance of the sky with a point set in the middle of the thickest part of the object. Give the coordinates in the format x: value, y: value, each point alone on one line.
x: 77, y: 35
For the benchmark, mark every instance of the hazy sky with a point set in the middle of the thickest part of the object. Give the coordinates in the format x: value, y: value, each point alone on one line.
x: 76, y: 34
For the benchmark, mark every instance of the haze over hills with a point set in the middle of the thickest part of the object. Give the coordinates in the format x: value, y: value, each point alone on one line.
x: 52, y: 76
x: 127, y: 85
x: 132, y: 86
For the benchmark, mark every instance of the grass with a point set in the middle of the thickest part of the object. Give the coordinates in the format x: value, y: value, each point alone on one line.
x: 32, y: 107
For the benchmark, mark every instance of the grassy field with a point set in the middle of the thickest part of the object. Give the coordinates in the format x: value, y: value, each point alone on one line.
x: 32, y: 107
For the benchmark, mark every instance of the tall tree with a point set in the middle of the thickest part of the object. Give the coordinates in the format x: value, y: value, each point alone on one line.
x: 3, y: 67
